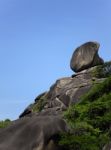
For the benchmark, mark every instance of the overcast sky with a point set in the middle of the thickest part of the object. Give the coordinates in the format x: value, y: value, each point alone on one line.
x: 37, y: 39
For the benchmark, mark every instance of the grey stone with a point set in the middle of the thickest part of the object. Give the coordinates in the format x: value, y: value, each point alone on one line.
x: 69, y: 90
x: 107, y: 146
x: 35, y: 133
x: 27, y: 111
x: 86, y: 56
x: 65, y: 92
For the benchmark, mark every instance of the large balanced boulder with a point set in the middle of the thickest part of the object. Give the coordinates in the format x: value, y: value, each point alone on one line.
x: 86, y: 56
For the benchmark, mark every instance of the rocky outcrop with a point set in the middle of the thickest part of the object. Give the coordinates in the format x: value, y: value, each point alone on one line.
x: 66, y: 91
x: 41, y: 122
x: 86, y: 56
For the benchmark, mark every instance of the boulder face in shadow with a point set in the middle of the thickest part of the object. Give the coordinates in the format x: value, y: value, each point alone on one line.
x: 86, y: 56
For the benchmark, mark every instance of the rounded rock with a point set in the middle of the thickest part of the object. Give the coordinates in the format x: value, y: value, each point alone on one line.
x: 86, y: 56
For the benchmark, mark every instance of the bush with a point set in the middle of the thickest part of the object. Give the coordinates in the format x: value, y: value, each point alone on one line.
x: 5, y: 123
x: 98, y: 91
x: 89, y: 120
x: 102, y: 71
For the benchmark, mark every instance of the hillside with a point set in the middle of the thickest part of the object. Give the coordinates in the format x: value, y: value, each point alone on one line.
x: 75, y: 114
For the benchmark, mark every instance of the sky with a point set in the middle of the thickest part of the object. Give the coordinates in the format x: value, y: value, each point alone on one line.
x: 37, y: 39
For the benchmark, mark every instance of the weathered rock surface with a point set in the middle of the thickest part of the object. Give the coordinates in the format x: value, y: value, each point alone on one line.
x: 65, y: 92
x: 86, y: 56
x: 32, y: 133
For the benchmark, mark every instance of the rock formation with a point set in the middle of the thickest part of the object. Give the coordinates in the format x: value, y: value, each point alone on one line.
x: 35, y: 133
x: 86, y: 56
x: 41, y: 122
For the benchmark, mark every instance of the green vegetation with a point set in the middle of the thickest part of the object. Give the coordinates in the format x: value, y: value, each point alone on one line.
x: 38, y: 106
x: 102, y: 71
x: 89, y: 120
x: 5, y: 123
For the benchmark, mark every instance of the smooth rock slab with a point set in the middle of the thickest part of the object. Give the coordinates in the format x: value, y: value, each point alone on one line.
x: 32, y: 133
x: 86, y: 56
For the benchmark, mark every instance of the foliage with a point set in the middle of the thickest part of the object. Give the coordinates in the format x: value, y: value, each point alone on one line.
x: 102, y: 71
x: 89, y: 120
x: 38, y: 106
x: 5, y: 123
x: 98, y: 91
